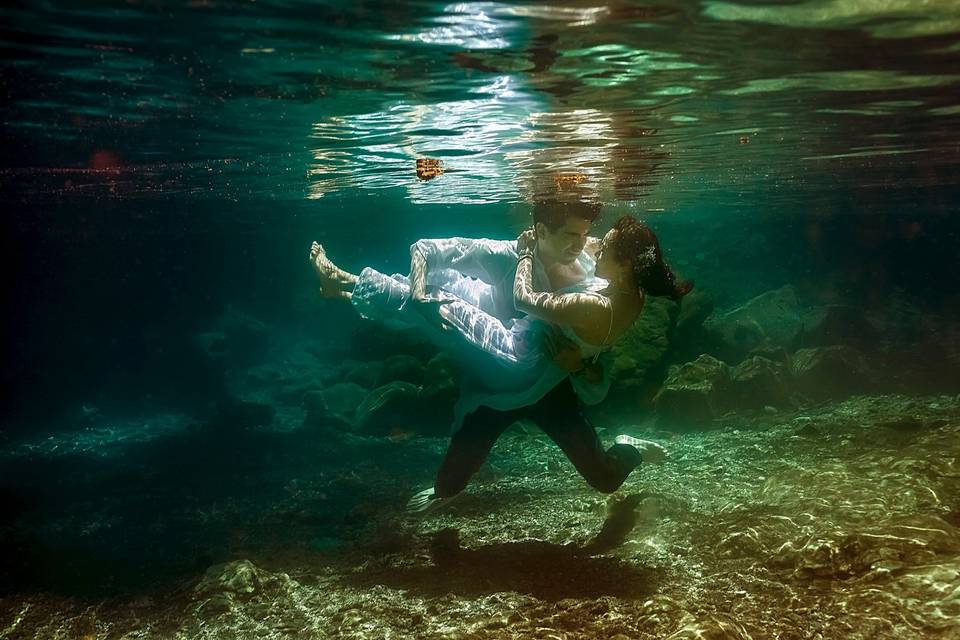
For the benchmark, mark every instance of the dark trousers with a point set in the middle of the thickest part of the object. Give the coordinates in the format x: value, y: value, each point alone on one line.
x: 559, y: 415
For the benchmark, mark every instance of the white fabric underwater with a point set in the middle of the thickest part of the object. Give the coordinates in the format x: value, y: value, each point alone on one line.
x: 497, y: 348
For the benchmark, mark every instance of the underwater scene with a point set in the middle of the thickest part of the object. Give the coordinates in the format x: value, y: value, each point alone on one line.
x: 478, y: 321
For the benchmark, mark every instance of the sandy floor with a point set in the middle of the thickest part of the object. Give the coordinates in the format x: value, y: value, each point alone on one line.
x: 838, y: 522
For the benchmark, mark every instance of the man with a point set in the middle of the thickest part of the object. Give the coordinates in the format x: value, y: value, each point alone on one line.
x: 560, y: 261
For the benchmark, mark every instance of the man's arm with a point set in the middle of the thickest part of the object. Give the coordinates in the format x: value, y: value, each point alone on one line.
x: 571, y: 309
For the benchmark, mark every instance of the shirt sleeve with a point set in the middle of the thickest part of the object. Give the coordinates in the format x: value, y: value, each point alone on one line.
x: 571, y: 309
x: 481, y: 258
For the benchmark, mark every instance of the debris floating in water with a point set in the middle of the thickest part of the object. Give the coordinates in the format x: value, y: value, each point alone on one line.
x: 569, y: 180
x: 429, y: 168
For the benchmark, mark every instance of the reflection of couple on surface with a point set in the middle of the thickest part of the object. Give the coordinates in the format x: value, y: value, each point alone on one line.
x: 531, y: 323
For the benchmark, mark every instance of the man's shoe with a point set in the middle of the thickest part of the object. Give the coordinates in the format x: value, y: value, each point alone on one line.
x: 650, y: 452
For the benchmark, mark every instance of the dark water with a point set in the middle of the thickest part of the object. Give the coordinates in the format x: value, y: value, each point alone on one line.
x: 164, y: 162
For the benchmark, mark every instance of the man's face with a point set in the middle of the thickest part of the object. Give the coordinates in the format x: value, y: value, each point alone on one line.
x: 565, y: 243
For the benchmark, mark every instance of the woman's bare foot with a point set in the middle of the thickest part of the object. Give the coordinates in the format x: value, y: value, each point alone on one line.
x: 334, y: 282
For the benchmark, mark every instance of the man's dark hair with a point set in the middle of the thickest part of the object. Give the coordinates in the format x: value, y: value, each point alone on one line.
x: 555, y: 213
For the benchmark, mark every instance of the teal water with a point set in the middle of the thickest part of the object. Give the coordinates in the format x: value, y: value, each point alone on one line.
x: 192, y: 150
x: 167, y: 163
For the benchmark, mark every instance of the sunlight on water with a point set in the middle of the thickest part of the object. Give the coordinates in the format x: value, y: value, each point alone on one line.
x: 482, y: 87
x: 909, y: 18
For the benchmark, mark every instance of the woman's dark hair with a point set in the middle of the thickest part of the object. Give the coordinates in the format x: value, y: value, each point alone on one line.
x: 638, y: 243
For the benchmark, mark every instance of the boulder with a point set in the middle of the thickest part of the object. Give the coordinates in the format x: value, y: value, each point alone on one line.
x: 374, y: 340
x: 837, y: 324
x: 318, y: 414
x: 284, y: 383
x: 341, y: 400
x: 388, y: 409
x: 437, y: 396
x: 225, y: 587
x: 248, y: 337
x: 772, y: 319
x: 643, y: 347
x: 243, y: 414
x: 238, y: 341
x: 695, y: 308
x: 693, y: 392
x: 831, y: 372
x: 440, y: 373
x: 240, y: 577
x: 401, y: 368
x: 215, y: 346
x: 365, y: 374
x: 315, y: 407
x: 758, y: 382
x: 295, y: 394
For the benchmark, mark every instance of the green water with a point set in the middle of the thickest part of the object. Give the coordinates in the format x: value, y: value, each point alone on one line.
x: 165, y: 166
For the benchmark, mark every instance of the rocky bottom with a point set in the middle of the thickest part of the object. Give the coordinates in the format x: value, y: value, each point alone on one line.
x: 840, y: 521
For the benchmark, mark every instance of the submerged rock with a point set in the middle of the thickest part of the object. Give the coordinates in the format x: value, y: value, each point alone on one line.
x: 695, y: 308
x: 365, y: 374
x: 215, y: 347
x: 712, y: 627
x: 837, y: 324
x: 388, y: 409
x: 831, y: 372
x: 440, y: 374
x: 437, y: 396
x: 401, y: 368
x: 342, y: 399
x: 240, y: 577
x: 248, y: 337
x: 758, y: 382
x: 243, y: 414
x: 693, y: 392
x: 233, y: 585
x: 772, y: 319
x: 643, y: 346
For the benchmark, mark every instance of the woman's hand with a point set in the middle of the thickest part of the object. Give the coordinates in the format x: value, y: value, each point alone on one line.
x: 526, y: 241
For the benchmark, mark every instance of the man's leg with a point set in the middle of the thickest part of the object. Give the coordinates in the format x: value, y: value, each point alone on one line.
x: 469, y: 448
x: 560, y: 416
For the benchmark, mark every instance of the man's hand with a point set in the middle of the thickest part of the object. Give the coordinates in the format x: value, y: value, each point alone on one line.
x: 430, y: 307
x: 562, y: 350
x: 526, y: 241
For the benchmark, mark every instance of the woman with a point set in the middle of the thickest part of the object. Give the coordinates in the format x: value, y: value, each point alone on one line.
x: 506, y: 364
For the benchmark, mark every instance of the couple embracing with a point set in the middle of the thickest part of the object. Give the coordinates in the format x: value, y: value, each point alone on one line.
x: 531, y: 322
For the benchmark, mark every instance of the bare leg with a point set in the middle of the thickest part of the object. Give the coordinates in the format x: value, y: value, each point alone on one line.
x: 334, y: 281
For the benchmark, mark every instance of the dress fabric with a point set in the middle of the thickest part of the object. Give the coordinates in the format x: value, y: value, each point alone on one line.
x: 498, y: 348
